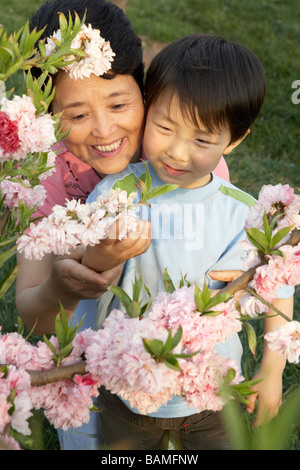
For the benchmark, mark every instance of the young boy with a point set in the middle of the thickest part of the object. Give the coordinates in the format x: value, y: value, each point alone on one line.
x: 202, y: 96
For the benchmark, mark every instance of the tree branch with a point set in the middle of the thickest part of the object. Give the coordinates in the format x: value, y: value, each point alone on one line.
x: 56, y: 374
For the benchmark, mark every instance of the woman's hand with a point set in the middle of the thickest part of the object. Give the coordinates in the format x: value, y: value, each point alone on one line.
x: 77, y: 281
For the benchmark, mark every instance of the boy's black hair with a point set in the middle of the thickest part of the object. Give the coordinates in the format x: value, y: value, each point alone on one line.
x: 114, y: 27
x: 218, y: 83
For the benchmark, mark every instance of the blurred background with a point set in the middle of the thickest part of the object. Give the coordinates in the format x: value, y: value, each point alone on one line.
x: 270, y: 154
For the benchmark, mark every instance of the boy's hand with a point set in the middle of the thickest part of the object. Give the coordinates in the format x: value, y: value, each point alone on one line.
x: 111, y: 252
x: 227, y: 276
x: 268, y: 397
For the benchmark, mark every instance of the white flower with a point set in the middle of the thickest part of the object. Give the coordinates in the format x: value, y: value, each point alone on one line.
x: 99, y: 54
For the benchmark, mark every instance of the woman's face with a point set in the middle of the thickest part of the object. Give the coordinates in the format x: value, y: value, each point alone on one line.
x: 104, y: 119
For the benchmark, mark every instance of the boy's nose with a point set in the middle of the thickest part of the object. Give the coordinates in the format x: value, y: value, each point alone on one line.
x: 177, y: 150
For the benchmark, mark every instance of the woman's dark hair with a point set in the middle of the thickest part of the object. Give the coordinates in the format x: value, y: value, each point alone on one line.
x: 217, y: 82
x: 113, y: 24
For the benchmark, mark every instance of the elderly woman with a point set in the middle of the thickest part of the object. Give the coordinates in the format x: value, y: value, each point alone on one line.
x: 105, y: 116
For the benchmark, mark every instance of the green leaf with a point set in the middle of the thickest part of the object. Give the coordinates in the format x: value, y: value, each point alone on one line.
x: 128, y: 183
x: 172, y: 363
x: 198, y: 299
x: 154, y: 346
x: 159, y: 191
x: 258, y: 238
x: 8, y: 280
x: 167, y: 281
x: 133, y: 309
x: 122, y: 296
x: 60, y: 331
x: 177, y: 336
x: 266, y: 226
x: 136, y: 287
x: 50, y: 346
x: 168, y: 346
x: 251, y: 337
x: 280, y: 235
x: 217, y: 299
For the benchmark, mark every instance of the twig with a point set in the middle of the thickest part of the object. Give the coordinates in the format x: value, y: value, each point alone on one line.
x: 39, y: 378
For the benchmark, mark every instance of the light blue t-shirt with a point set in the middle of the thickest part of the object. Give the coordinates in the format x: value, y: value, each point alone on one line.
x: 194, y: 231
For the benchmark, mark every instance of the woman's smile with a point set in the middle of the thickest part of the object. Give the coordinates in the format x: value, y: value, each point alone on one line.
x: 110, y: 150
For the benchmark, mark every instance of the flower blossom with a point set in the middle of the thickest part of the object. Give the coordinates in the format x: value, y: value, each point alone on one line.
x: 15, y: 192
x: 280, y: 271
x: 35, y: 133
x: 76, y: 223
x: 252, y: 306
x: 198, y: 331
x: 286, y: 340
x: 274, y: 200
x: 9, y: 139
x: 99, y: 54
x: 14, y: 395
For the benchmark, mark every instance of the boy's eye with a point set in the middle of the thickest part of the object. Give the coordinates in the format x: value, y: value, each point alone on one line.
x: 162, y: 127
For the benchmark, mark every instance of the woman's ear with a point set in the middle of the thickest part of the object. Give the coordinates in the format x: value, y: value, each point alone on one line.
x: 235, y: 144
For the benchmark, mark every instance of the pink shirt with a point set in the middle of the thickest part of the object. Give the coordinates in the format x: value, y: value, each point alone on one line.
x: 74, y: 179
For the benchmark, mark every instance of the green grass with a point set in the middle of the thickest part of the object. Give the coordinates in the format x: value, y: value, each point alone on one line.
x: 270, y: 154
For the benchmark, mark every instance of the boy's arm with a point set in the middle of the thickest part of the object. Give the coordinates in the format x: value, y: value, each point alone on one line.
x: 111, y: 252
x: 268, y: 394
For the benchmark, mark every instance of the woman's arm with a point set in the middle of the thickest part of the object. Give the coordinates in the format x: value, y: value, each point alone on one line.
x: 42, y: 285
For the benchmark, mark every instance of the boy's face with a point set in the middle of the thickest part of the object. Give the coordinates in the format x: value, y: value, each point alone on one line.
x: 180, y: 152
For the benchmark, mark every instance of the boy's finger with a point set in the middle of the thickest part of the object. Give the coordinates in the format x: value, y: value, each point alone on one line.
x: 225, y: 276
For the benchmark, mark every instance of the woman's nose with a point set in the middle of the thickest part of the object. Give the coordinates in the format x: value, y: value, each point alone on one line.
x: 103, y: 127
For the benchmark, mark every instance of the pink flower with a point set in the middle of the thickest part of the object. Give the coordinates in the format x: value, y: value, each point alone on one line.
x: 35, y: 133
x: 273, y: 200
x: 280, y: 271
x: 75, y: 223
x: 9, y: 140
x: 22, y: 191
x: 286, y: 340
x: 199, y: 331
x: 8, y: 443
x: 252, y: 306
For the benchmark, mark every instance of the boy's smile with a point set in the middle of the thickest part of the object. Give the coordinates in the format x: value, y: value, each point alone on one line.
x: 180, y: 152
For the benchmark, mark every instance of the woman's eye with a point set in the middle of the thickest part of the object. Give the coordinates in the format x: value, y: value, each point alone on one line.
x: 78, y: 117
x: 117, y: 107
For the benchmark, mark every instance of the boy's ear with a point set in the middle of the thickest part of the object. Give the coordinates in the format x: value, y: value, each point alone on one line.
x: 235, y: 144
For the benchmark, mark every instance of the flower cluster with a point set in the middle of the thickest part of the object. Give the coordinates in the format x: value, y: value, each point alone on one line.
x: 277, y: 210
x: 118, y: 356
x: 286, y: 340
x: 65, y: 403
x: 275, y: 200
x: 99, y: 54
x: 22, y: 132
x: 76, y: 223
